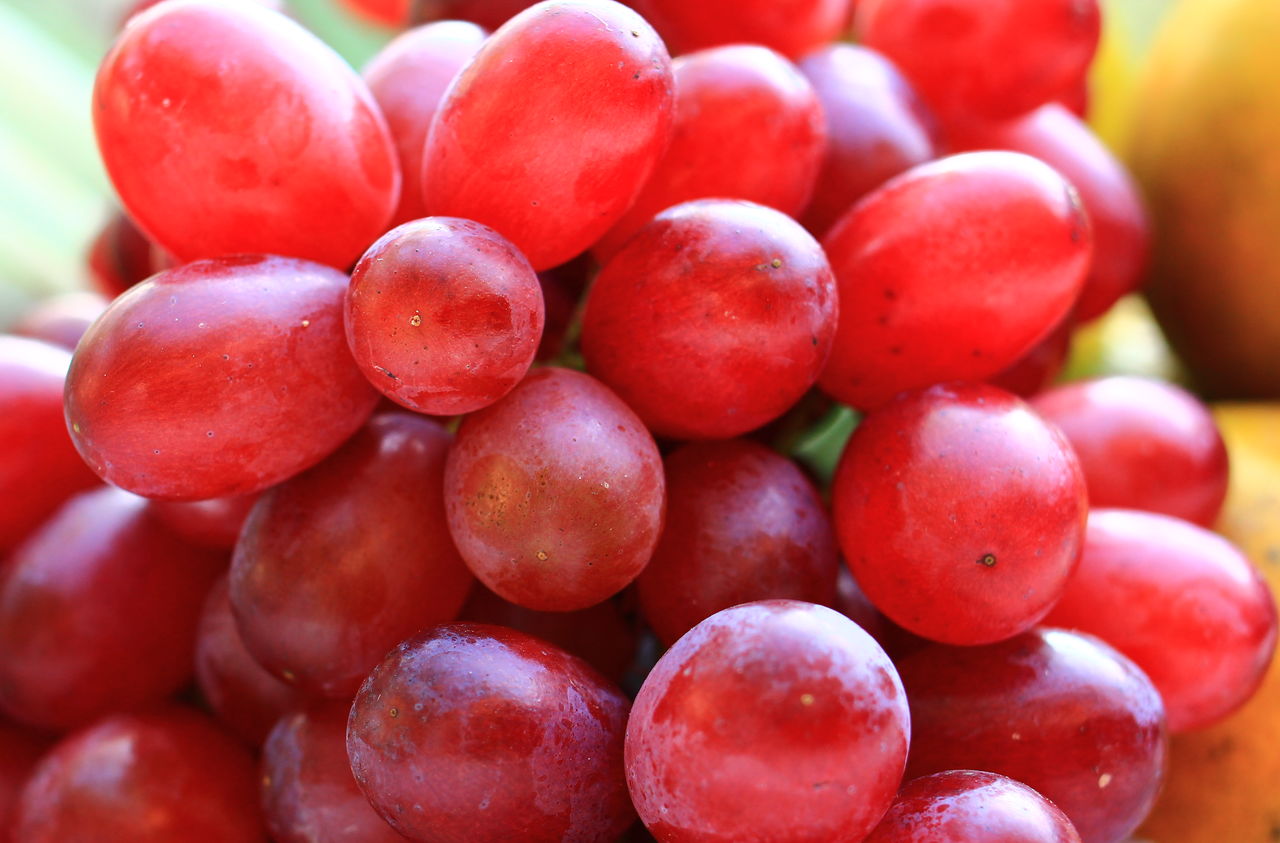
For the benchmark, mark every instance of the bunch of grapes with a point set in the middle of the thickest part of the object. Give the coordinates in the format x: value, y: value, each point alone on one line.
x: 451, y: 438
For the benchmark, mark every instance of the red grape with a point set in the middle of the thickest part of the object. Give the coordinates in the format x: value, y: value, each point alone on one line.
x: 385, y: 12
x: 120, y: 256
x: 876, y: 125
x: 444, y: 316
x: 1121, y: 231
x: 477, y: 733
x: 62, y: 319
x: 1143, y: 444
x: 550, y: 131
x: 966, y: 805
x: 337, y: 565
x: 308, y: 792
x: 792, y: 27
x: 713, y: 320
x: 1182, y: 602
x: 747, y: 125
x: 985, y: 58
x: 852, y: 602
x: 490, y: 14
x: 408, y: 78
x: 743, y: 524
x: 555, y: 494
x: 210, y: 523
x: 960, y: 512
x: 167, y: 776
x: 952, y: 271
x: 1061, y: 712
x: 20, y: 749
x: 98, y: 612
x: 217, y: 378
x: 776, y: 720
x: 227, y: 128
x: 1036, y: 370
x: 39, y: 467
x: 242, y: 694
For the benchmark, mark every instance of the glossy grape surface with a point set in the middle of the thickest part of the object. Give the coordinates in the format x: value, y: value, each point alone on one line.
x: 165, y: 776
x: 747, y: 125
x: 1184, y: 603
x: 227, y: 128
x: 549, y: 133
x: 555, y: 494
x: 792, y: 27
x: 444, y: 315
x: 960, y: 512
x: 470, y: 733
x: 967, y: 805
x: 952, y: 271
x: 713, y: 320
x: 98, y: 612
x: 776, y: 720
x: 1059, y: 711
x: 338, y: 565
x: 1143, y: 444
x: 743, y: 524
x: 217, y: 378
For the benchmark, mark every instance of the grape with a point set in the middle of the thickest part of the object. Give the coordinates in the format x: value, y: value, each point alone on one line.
x: 165, y: 776
x: 555, y: 494
x: 776, y: 720
x: 39, y: 468
x: 985, y: 59
x: 852, y: 602
x: 98, y: 612
x: 961, y: 513
x: 243, y: 695
x: 550, y: 131
x: 490, y: 14
x: 713, y: 320
x: 562, y: 289
x: 139, y: 6
x: 877, y: 128
x: 1059, y: 711
x: 1036, y: 370
x: 792, y: 27
x: 743, y: 524
x: 308, y: 792
x: 748, y: 126
x: 443, y: 315
x: 337, y: 565
x: 217, y: 378
x: 210, y: 523
x: 385, y: 12
x: 408, y: 78
x: 470, y: 733
x: 1121, y: 231
x: 20, y: 749
x: 120, y: 256
x: 227, y: 128
x: 952, y: 271
x: 1182, y: 602
x: 1143, y: 444
x: 961, y: 805
x: 62, y: 319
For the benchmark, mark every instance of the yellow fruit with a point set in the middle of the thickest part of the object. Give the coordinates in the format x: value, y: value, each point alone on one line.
x: 1224, y: 781
x: 1205, y: 146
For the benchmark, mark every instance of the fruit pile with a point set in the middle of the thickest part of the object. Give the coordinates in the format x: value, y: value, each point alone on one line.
x: 459, y: 423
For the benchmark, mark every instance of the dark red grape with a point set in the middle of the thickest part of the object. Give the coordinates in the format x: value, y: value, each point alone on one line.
x: 62, y: 319
x: 477, y: 733
x: 876, y: 128
x: 792, y: 27
x: 776, y: 720
x: 444, y: 315
x: 490, y: 14
x: 227, y: 128
x: 1143, y: 444
x: 961, y: 513
x: 1036, y: 370
x: 967, y: 805
x: 852, y: 602
x: 555, y: 494
x: 210, y: 523
x: 339, y: 564
x: 952, y: 271
x: 408, y: 77
x: 217, y: 378
x: 748, y: 126
x: 743, y: 524
x: 308, y: 792
x: 550, y: 131
x: 120, y: 256
x: 98, y: 612
x: 20, y: 749
x: 1059, y: 711
x: 1182, y: 602
x: 167, y: 776
x: 713, y: 320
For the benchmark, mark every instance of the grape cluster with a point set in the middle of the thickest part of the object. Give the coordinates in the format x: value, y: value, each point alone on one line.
x: 450, y: 415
